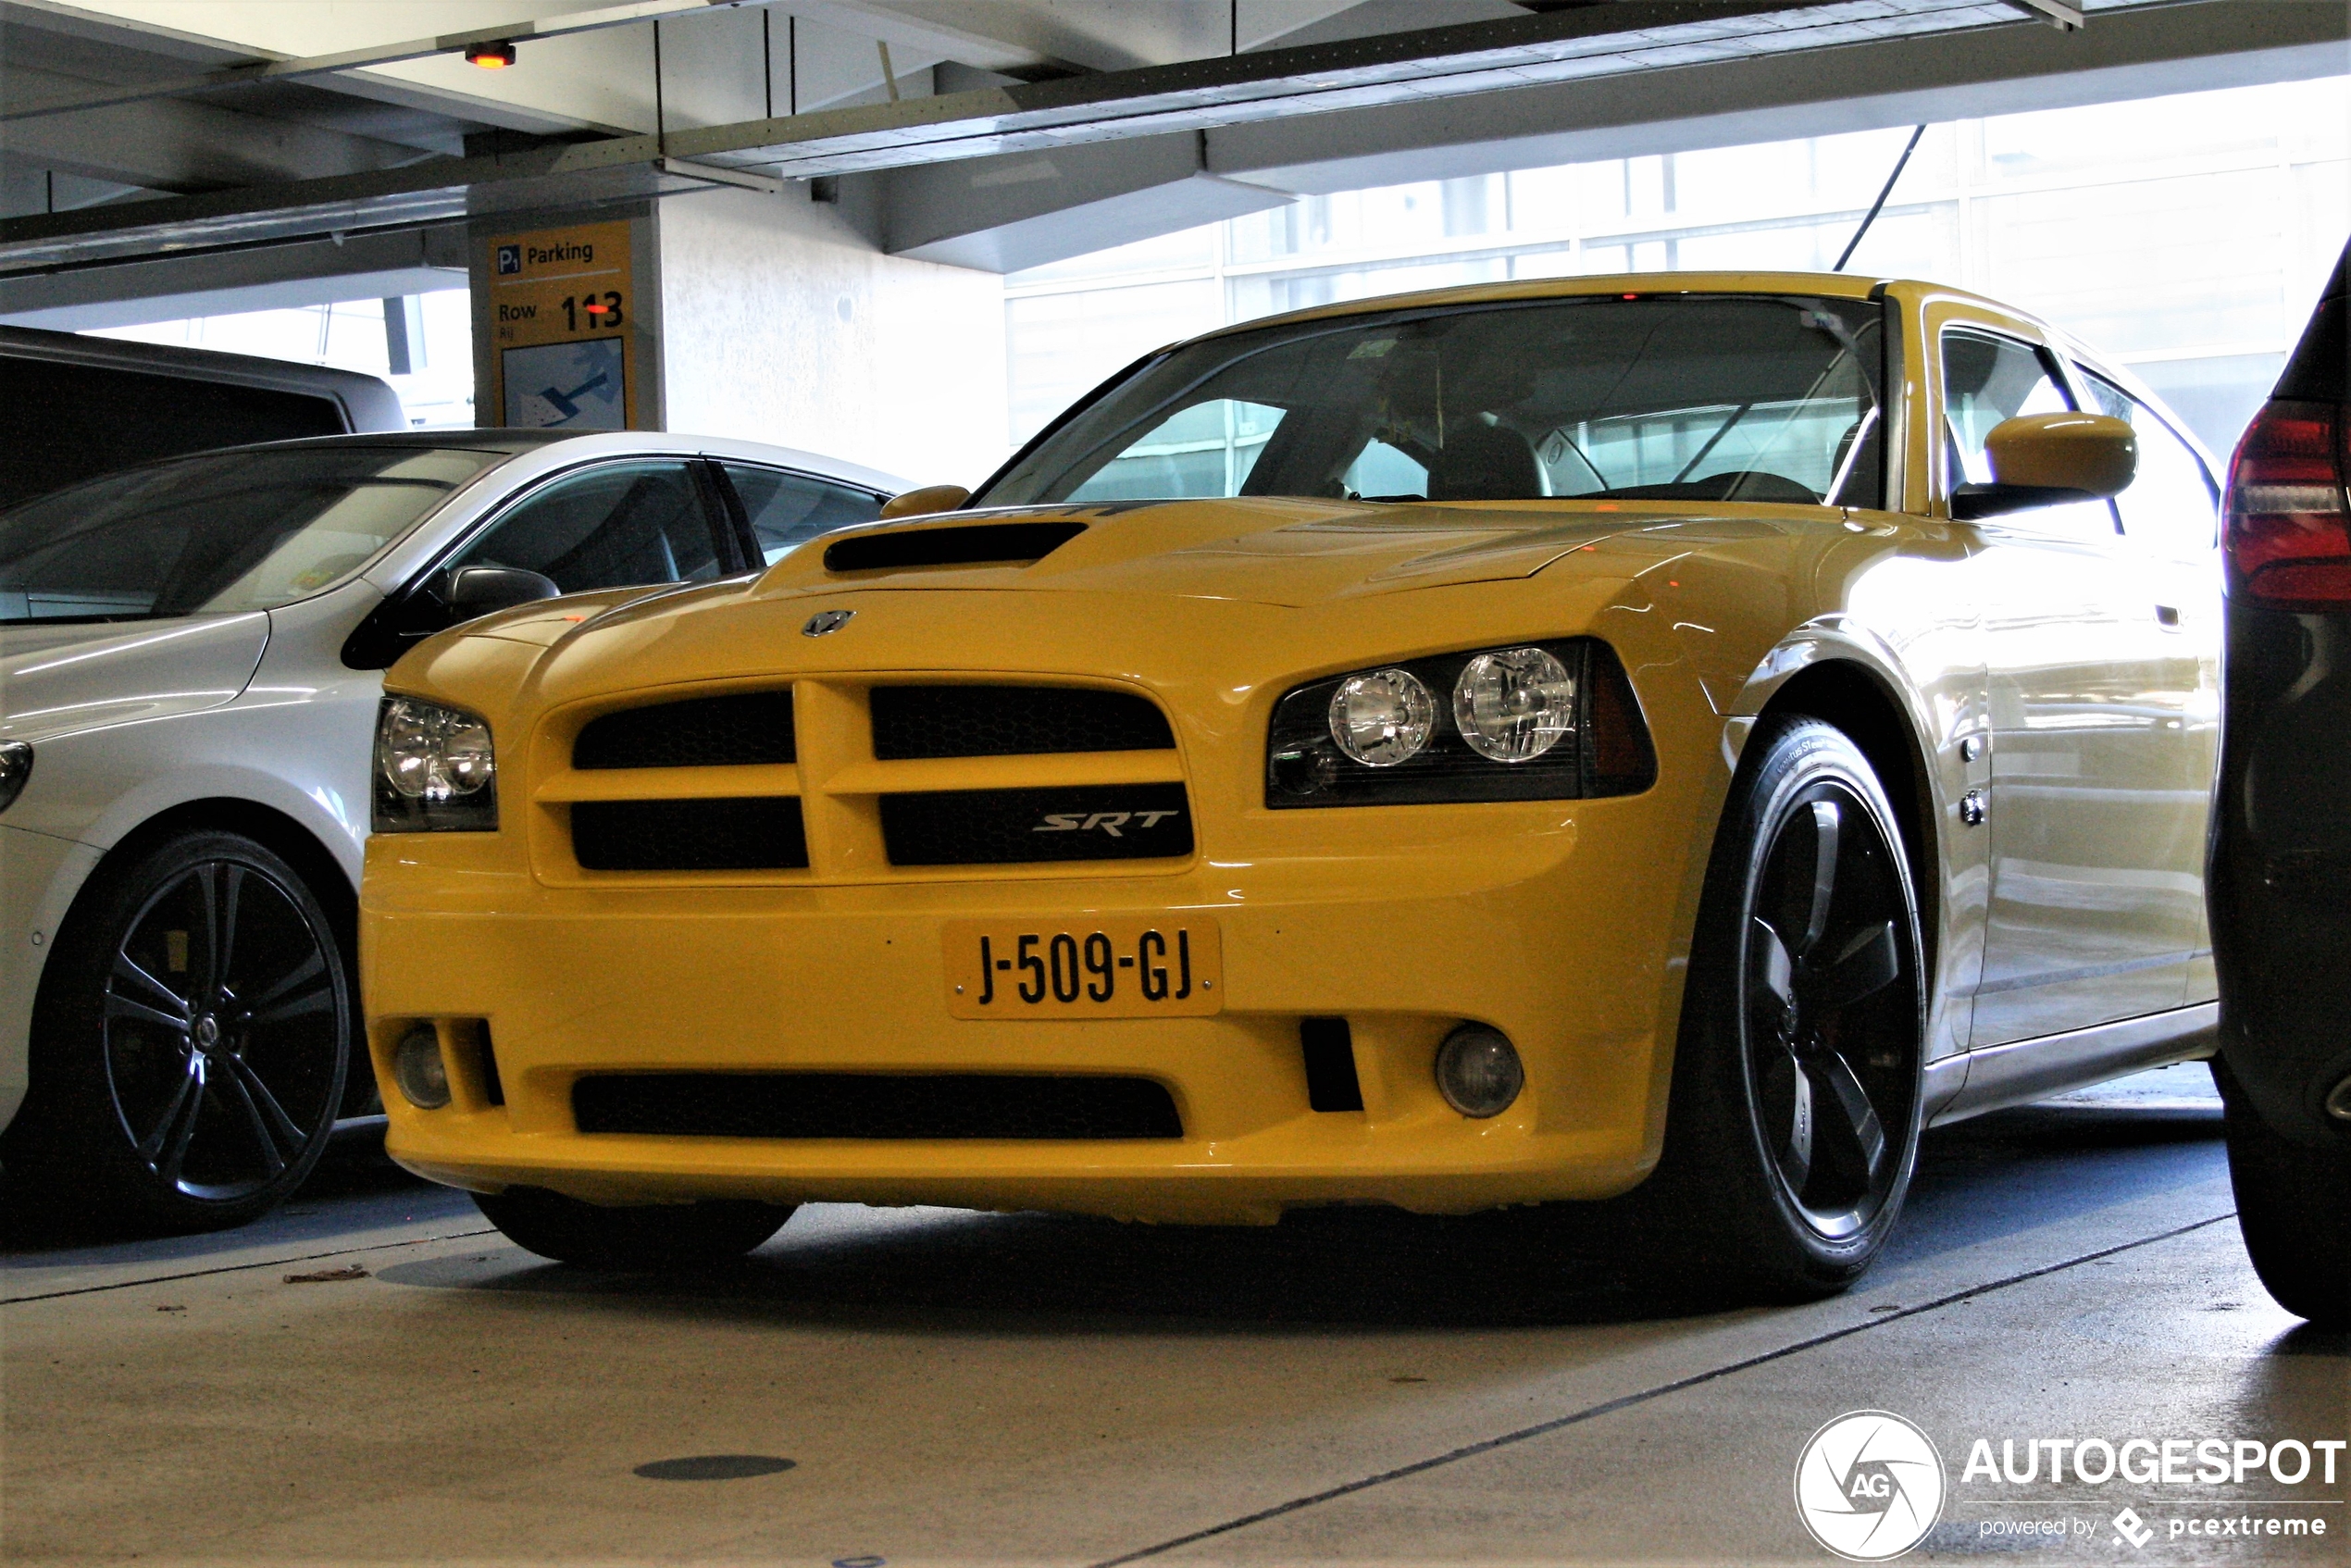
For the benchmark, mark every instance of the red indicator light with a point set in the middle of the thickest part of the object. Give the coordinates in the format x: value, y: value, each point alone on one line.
x: 598, y: 309
x: 1629, y: 296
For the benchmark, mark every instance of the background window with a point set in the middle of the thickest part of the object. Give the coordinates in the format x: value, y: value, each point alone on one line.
x: 786, y: 509
x: 2170, y: 506
x: 610, y: 527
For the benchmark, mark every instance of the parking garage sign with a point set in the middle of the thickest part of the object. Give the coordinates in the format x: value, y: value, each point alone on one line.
x: 561, y: 309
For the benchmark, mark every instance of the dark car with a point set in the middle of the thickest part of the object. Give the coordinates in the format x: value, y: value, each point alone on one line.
x: 2280, y: 882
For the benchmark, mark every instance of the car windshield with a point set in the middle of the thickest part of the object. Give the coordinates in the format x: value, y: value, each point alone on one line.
x: 1650, y: 397
x: 218, y: 534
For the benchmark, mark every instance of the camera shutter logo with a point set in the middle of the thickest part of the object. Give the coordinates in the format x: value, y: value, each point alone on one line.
x: 1869, y: 1486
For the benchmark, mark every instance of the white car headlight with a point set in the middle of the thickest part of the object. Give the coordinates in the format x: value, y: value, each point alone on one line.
x: 1383, y: 718
x: 1515, y: 704
x: 16, y: 767
x: 435, y: 770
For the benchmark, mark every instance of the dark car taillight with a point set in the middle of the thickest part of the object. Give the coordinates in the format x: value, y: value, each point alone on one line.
x: 2289, y: 533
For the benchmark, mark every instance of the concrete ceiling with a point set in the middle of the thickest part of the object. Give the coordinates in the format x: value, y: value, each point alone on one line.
x: 147, y: 144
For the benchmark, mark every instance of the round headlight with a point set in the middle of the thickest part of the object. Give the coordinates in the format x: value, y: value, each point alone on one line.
x: 429, y: 752
x: 1479, y: 1071
x: 418, y: 1068
x: 1515, y: 704
x: 1382, y: 718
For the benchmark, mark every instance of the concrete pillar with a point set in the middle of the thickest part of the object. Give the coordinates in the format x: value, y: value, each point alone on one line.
x: 781, y: 321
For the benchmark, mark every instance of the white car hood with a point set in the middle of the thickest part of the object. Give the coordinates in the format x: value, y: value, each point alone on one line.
x: 54, y: 679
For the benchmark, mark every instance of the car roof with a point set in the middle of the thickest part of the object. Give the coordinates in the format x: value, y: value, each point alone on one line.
x: 1832, y: 285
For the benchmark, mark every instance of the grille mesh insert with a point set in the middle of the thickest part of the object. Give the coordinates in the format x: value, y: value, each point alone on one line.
x: 1005, y: 721
x: 1023, y: 826
x: 758, y: 833
x: 738, y: 729
x: 877, y: 1105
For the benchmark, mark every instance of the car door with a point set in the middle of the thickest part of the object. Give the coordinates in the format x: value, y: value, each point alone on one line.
x: 2171, y: 525
x: 2082, y: 924
x: 784, y: 509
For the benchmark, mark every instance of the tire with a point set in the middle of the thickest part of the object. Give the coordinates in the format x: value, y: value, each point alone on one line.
x: 2292, y: 1211
x: 191, y: 1041
x: 1793, y: 1127
x: 660, y: 1236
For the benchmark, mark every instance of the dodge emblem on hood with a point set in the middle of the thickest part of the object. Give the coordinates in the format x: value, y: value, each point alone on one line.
x: 824, y: 621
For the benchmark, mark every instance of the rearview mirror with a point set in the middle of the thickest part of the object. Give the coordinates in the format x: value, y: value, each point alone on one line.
x: 2047, y: 459
x: 930, y: 498
x: 478, y: 590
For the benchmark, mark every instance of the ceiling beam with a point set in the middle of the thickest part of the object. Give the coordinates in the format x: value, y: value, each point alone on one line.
x: 1490, y: 61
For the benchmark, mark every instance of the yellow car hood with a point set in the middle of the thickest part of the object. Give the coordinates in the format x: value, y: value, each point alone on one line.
x: 1267, y: 551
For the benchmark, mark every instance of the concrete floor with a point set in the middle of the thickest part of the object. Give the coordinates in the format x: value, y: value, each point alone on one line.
x: 1349, y: 1387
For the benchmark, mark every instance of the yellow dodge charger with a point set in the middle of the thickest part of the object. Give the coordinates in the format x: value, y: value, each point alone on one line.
x: 1675, y: 735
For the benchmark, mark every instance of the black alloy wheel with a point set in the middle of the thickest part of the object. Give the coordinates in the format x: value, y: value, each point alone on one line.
x: 191, y: 1039
x: 1794, y: 1126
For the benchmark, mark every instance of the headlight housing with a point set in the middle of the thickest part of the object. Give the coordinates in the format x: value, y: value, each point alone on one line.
x: 16, y: 767
x: 1520, y: 722
x: 435, y: 770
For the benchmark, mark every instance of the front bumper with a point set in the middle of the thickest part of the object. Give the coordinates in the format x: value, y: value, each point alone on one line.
x: 1561, y: 922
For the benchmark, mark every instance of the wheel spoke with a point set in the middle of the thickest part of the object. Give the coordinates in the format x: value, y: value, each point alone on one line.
x: 302, y: 989
x: 207, y: 877
x: 1796, y: 1160
x: 285, y: 1127
x: 175, y: 1153
x: 240, y: 1088
x: 151, y: 1146
x: 1774, y: 971
x: 126, y: 1007
x: 128, y: 968
x: 1860, y: 1115
x: 1867, y: 964
x: 1826, y: 824
x: 224, y: 946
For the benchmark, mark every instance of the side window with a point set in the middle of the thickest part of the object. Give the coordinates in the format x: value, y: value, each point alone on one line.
x: 1382, y: 472
x: 786, y: 508
x: 2170, y: 507
x: 1986, y: 381
x: 614, y: 526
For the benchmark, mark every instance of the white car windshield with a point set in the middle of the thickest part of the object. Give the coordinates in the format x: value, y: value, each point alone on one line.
x: 1681, y: 397
x: 222, y: 533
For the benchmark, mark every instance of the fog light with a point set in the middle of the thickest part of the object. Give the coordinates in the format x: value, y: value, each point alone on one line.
x: 418, y: 1068
x: 1479, y: 1071
x: 2339, y: 1102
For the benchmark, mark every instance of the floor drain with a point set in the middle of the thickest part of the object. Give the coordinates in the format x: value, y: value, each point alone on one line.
x: 713, y: 1467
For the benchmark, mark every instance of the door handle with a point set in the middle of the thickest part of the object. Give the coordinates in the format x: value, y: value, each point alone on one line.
x: 2167, y: 615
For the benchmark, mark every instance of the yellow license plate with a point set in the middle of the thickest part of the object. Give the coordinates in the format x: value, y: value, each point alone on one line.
x: 1108, y: 967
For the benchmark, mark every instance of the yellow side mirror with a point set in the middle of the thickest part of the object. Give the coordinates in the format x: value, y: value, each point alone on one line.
x: 941, y: 498
x: 2048, y: 460
x: 2087, y: 452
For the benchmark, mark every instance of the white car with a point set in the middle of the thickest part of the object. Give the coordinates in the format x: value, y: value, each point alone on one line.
x: 190, y: 664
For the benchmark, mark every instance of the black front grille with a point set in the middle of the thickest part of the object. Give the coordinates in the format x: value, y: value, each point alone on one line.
x: 742, y: 728
x: 928, y: 1105
x: 1017, y: 826
x: 1009, y: 721
x: 760, y: 833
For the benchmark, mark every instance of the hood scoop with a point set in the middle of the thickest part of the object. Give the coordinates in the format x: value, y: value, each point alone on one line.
x: 961, y: 544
